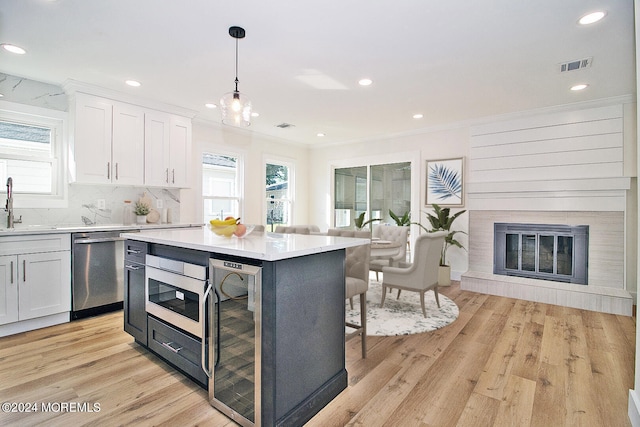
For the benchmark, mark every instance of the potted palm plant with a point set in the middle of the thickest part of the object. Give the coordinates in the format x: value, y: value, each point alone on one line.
x: 360, y: 222
x: 401, y: 221
x: 442, y: 221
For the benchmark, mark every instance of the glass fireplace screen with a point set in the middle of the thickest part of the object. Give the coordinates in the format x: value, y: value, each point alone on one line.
x: 542, y: 251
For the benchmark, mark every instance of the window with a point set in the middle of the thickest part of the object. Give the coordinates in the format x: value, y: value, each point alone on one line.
x: 221, y: 186
x: 375, y: 189
x: 279, y: 191
x: 32, y: 154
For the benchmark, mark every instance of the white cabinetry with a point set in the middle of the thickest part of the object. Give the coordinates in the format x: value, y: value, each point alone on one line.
x: 167, y: 149
x: 35, y: 281
x: 108, y: 143
x: 120, y: 143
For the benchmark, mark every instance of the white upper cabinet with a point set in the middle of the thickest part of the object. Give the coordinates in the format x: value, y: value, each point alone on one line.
x: 167, y: 150
x: 121, y: 143
x: 156, y: 155
x: 127, y: 150
x: 92, y: 139
x: 108, y: 144
x: 180, y: 151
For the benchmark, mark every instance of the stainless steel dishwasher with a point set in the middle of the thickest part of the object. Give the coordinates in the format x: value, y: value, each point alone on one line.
x: 97, y: 260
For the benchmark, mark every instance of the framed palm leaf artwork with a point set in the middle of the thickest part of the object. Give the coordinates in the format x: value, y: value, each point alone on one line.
x: 445, y: 182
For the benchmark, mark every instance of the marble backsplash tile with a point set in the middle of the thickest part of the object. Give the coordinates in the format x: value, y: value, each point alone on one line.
x: 84, y: 206
x: 31, y: 92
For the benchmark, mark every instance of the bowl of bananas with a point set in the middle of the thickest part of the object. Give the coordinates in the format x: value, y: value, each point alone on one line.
x: 229, y: 227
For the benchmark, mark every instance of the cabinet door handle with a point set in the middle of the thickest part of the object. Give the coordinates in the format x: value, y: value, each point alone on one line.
x: 168, y: 346
x: 108, y: 170
x: 166, y: 179
x: 116, y: 171
x: 11, y: 272
x: 173, y: 176
x: 24, y: 270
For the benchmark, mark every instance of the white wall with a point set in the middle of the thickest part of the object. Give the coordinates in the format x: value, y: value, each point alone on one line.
x: 416, y: 148
x: 634, y: 395
x: 255, y: 150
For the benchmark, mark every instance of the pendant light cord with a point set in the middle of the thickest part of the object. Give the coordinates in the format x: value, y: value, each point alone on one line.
x: 236, y: 65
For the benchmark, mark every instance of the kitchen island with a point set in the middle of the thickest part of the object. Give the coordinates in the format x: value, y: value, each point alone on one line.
x: 296, y: 364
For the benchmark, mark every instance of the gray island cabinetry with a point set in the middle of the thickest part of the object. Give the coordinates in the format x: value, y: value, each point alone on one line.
x: 259, y: 321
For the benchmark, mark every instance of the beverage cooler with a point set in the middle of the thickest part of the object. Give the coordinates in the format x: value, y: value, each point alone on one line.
x: 233, y: 339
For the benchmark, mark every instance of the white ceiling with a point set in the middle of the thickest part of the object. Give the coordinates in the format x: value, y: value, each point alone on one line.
x: 451, y: 60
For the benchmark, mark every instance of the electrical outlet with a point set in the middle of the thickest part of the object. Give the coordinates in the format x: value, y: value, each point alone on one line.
x: 159, y: 203
x: 102, y: 204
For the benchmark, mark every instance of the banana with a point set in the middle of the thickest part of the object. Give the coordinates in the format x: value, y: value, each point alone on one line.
x: 221, y: 223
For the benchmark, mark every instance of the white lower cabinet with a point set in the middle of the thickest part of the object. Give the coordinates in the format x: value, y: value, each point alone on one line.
x: 9, y: 289
x: 35, y: 281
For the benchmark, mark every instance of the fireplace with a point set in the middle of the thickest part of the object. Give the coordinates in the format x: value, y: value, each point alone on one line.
x: 542, y: 251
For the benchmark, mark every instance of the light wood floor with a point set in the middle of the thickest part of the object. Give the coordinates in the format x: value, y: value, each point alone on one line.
x: 504, y: 362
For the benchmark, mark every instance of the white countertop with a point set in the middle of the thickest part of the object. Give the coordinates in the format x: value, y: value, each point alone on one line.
x: 53, y: 229
x: 256, y: 245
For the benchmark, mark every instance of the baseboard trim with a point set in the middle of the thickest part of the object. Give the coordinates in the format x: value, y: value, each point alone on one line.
x: 31, y: 324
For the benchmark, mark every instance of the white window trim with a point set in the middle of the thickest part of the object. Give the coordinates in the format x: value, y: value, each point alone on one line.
x: 283, y: 161
x: 240, y: 180
x: 57, y: 121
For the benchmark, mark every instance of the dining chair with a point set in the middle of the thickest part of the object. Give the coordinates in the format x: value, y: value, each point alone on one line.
x: 421, y: 275
x: 356, y: 280
x: 393, y: 233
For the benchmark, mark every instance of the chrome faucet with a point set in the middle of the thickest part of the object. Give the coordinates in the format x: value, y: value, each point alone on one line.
x: 9, y: 207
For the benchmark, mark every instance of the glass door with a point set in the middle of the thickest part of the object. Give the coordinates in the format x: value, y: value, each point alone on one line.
x: 234, y: 387
x: 373, y: 190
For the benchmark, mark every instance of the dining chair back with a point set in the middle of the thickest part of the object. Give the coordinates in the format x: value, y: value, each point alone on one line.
x: 356, y: 280
x: 421, y: 275
x: 392, y: 233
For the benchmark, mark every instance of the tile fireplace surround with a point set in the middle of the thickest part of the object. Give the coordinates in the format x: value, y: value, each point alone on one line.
x: 605, y: 291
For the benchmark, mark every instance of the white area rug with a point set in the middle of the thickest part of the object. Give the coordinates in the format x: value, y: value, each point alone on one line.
x: 402, y: 316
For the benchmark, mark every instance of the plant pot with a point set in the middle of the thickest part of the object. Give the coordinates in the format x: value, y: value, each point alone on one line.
x: 141, y: 219
x: 444, y: 275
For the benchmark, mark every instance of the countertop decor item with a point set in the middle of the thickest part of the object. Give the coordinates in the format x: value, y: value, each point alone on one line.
x: 141, y: 210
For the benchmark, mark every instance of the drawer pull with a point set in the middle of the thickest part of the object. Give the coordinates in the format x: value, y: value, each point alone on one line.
x: 133, y: 251
x: 168, y: 346
x: 132, y: 267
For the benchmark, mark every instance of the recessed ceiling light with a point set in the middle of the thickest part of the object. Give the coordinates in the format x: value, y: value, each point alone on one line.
x: 133, y: 83
x: 321, y: 134
x: 418, y: 116
x: 209, y: 105
x: 365, y: 82
x: 13, y: 49
x: 590, y: 18
x: 579, y: 87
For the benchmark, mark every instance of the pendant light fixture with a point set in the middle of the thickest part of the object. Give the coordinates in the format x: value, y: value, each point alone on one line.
x: 234, y: 106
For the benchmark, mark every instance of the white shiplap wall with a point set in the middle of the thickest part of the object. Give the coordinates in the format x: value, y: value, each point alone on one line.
x: 564, y: 167
x: 571, y: 160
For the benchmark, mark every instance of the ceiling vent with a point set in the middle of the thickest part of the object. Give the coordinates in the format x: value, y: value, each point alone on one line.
x: 577, y: 64
x: 285, y: 125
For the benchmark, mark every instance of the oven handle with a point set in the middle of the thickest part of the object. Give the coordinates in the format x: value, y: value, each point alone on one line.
x: 206, y: 367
